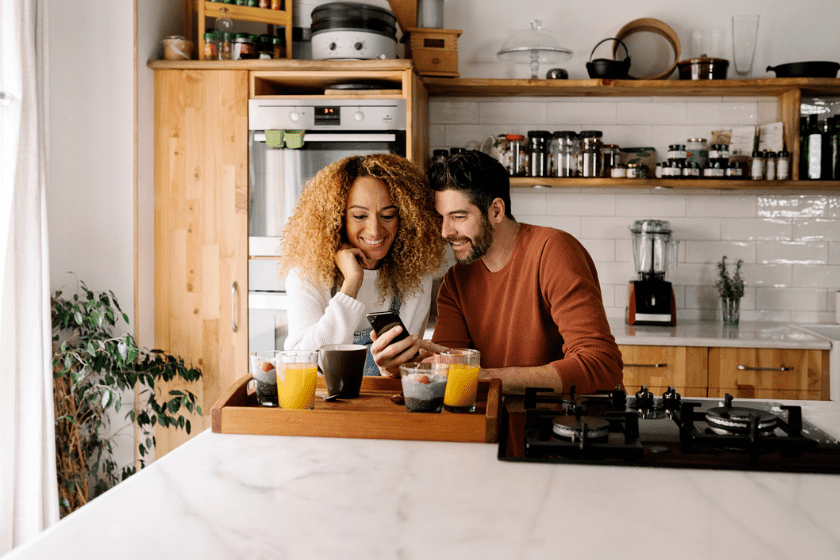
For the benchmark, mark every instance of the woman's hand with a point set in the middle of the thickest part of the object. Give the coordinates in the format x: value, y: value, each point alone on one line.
x: 347, y: 260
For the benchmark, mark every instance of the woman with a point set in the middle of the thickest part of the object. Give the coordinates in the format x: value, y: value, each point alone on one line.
x: 363, y: 238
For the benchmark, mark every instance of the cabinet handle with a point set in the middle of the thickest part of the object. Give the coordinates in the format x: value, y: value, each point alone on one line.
x: 748, y: 368
x: 233, y: 307
x: 646, y: 365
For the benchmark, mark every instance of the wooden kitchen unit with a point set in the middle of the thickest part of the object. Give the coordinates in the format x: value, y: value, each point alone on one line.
x: 685, y: 368
x: 766, y: 373
x: 202, y: 197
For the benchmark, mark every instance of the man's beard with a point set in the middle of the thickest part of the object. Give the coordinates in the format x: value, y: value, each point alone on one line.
x: 480, y: 245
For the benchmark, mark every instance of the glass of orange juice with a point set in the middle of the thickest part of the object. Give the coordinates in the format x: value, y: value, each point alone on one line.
x: 297, y: 372
x: 462, y: 381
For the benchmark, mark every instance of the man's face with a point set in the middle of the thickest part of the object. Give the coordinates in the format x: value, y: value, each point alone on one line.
x: 464, y: 226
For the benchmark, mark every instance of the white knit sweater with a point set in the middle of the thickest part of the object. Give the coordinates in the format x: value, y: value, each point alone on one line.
x: 316, y: 319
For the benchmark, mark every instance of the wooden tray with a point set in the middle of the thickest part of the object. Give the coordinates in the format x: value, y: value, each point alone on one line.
x: 373, y: 415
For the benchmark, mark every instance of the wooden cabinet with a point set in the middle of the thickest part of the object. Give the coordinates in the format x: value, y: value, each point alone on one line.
x: 685, y: 368
x: 746, y: 373
x: 789, y: 93
x: 768, y: 373
x: 201, y: 201
x: 201, y: 225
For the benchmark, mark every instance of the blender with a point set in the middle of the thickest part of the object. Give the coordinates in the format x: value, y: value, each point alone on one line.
x: 651, y: 296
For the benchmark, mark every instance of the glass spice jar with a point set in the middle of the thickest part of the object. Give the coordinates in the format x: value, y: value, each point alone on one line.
x: 783, y: 166
x: 590, y: 153
x: 734, y: 170
x: 691, y: 170
x: 677, y: 151
x: 226, y: 46
x: 566, y: 151
x: 757, y: 166
x: 538, y: 141
x: 618, y: 171
x: 211, y: 45
x: 634, y: 170
x: 770, y: 165
x: 609, y: 157
x: 243, y: 47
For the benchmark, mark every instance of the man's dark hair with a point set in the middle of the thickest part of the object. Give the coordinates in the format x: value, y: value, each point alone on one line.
x: 478, y: 176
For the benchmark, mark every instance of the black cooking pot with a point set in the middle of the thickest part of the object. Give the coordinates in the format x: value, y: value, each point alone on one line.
x: 820, y: 69
x: 606, y: 68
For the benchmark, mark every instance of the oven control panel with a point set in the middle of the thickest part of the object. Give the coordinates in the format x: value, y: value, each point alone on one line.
x: 327, y: 114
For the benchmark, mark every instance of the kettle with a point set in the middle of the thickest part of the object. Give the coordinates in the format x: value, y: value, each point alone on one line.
x: 606, y: 68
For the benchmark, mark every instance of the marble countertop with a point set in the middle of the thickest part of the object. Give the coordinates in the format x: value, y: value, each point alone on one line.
x: 715, y: 334
x: 238, y: 496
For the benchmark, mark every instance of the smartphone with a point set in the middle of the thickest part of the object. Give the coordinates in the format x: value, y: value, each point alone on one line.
x: 383, y: 321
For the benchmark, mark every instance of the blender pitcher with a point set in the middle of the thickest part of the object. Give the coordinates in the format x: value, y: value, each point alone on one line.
x: 654, y: 250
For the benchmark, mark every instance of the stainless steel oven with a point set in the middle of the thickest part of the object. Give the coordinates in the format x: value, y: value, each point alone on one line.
x: 330, y: 130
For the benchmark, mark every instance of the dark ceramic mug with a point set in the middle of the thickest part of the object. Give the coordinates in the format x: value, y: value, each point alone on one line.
x: 343, y: 366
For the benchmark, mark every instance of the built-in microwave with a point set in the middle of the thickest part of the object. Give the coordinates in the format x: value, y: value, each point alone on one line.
x: 328, y: 130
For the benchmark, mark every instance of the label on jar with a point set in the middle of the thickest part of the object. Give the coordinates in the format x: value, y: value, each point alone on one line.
x: 618, y: 172
x: 783, y: 170
x: 677, y: 154
x: 691, y: 172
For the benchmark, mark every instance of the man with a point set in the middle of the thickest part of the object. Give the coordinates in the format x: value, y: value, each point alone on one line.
x: 527, y: 297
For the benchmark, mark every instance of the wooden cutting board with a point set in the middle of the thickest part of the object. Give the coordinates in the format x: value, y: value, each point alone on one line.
x: 373, y: 415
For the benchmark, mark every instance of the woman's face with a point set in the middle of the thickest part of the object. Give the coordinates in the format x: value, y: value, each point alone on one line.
x: 371, y: 220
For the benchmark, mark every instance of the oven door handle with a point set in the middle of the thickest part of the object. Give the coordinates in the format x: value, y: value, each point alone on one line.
x: 328, y: 137
x: 749, y: 368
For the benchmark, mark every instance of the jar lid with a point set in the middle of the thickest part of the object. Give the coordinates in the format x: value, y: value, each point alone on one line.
x: 176, y: 38
x: 720, y: 146
x: 633, y: 165
x: 784, y: 153
x: 757, y: 153
x: 697, y: 140
x: 610, y: 147
x: 565, y: 134
x: 243, y: 40
x: 454, y: 151
x: 676, y: 147
x: 539, y: 133
x: 440, y: 152
x: 591, y: 134
x: 514, y: 137
x: 769, y: 153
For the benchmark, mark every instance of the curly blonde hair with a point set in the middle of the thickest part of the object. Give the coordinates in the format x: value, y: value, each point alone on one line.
x: 315, y: 230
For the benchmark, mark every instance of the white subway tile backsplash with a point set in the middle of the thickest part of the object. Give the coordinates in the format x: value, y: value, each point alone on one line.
x: 636, y: 113
x: 770, y: 231
x: 643, y: 206
x: 755, y: 230
x: 706, y: 205
x: 794, y: 299
x: 817, y: 229
x: 697, y: 229
x: 571, y: 114
x: 792, y: 206
x: 793, y: 252
x: 454, y: 111
x: 768, y: 275
x: 816, y: 276
x: 569, y: 204
x: 728, y: 113
x: 713, y: 251
x: 514, y: 112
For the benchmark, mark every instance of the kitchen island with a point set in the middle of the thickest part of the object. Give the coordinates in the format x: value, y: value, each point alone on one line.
x: 223, y: 496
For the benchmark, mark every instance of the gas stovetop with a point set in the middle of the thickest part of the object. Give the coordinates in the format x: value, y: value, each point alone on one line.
x: 612, y: 428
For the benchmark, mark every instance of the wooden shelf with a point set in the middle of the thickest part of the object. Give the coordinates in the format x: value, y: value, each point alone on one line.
x: 272, y: 19
x: 768, y: 87
x: 668, y: 183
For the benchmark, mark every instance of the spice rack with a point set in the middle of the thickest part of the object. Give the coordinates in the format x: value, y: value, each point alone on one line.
x: 273, y: 18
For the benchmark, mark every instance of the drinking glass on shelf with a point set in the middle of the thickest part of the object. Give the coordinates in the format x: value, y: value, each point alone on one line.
x: 744, y: 35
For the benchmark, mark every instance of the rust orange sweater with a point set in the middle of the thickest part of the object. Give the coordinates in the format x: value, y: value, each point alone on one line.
x: 543, y: 307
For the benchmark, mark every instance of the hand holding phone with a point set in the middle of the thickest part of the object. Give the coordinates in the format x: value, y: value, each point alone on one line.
x: 383, y: 321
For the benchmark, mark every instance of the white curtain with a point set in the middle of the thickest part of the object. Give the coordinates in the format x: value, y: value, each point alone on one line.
x: 28, y: 484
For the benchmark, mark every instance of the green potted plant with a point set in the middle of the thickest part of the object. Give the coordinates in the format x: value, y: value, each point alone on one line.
x: 731, y: 289
x: 91, y: 368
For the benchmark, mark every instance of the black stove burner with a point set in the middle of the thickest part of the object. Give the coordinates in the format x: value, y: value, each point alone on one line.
x: 739, y: 420
x: 575, y: 428
x: 610, y: 428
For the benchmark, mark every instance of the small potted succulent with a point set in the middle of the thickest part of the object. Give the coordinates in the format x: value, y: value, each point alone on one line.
x: 731, y: 289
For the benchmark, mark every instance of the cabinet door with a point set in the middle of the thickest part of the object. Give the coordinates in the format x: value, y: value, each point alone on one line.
x: 201, y: 229
x: 768, y: 373
x: 682, y: 367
